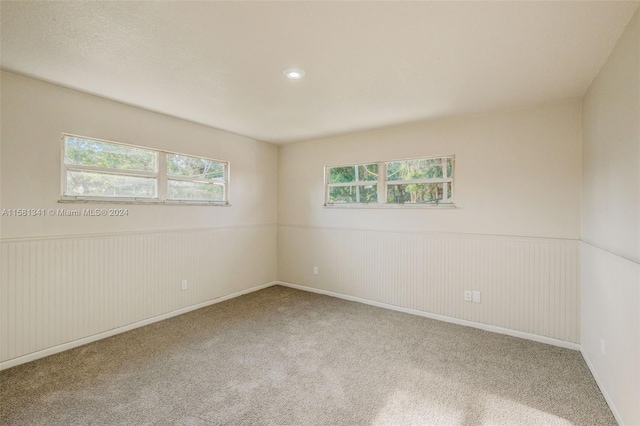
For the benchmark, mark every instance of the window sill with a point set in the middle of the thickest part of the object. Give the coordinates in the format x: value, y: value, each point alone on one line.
x: 391, y: 206
x: 143, y: 202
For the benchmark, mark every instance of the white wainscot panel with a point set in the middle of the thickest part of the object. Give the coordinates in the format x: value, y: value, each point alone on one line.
x: 610, y: 332
x: 60, y: 289
x: 529, y: 285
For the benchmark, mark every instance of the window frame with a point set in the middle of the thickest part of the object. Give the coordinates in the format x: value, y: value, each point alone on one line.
x: 160, y: 175
x: 382, y: 185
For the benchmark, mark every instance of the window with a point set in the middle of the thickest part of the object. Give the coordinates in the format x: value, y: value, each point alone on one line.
x: 353, y: 184
x: 413, y: 182
x: 193, y: 178
x: 108, y: 171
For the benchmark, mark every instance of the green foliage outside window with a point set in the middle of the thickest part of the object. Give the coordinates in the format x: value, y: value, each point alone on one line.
x: 414, y: 193
x: 92, y: 153
x: 186, y: 190
x: 195, y: 168
x: 359, y: 173
x: 354, y: 194
x: 87, y: 152
x: 182, y: 165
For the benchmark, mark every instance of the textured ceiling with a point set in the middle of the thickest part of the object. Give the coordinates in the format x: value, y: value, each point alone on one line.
x: 368, y: 64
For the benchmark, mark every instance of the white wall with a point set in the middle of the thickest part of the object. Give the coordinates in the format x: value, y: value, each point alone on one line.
x: 64, y: 279
x: 517, y: 173
x: 517, y: 177
x: 611, y: 160
x: 35, y: 113
x: 611, y: 226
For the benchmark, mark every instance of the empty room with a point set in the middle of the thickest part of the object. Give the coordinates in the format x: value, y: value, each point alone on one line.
x: 320, y: 213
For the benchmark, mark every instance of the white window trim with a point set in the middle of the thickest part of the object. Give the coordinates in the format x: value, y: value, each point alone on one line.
x: 160, y: 175
x: 383, y: 184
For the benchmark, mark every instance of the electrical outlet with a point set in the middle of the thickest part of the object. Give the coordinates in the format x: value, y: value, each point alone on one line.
x: 467, y: 296
x: 184, y: 284
x: 315, y: 270
x: 602, y: 346
x: 476, y: 297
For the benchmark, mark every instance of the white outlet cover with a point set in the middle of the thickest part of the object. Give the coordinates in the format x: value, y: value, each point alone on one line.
x: 467, y: 296
x: 476, y: 297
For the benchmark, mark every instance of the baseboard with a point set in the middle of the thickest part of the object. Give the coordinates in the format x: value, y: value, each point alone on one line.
x: 83, y: 341
x: 486, y: 327
x: 603, y: 390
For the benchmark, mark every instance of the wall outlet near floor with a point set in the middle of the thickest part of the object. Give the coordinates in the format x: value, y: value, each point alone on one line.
x: 476, y: 297
x: 468, y: 296
x: 184, y: 284
x: 315, y: 270
x: 602, y: 346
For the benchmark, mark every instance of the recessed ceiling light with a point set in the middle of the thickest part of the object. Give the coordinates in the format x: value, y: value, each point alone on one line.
x: 294, y: 73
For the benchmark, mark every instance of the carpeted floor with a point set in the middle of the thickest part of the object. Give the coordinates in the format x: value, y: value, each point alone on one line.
x: 283, y: 356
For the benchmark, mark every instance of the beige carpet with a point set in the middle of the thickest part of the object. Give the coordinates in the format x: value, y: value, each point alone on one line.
x: 282, y: 356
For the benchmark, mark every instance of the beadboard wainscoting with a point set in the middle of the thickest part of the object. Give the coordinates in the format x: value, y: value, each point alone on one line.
x: 610, y: 328
x: 57, y: 290
x: 528, y: 285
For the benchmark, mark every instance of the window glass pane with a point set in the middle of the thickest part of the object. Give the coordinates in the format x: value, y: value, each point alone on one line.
x: 353, y: 194
x: 359, y: 173
x: 429, y: 168
x: 342, y: 174
x: 186, y: 190
x: 93, y: 184
x: 182, y: 165
x: 88, y: 152
x: 368, y: 172
x: 449, y: 167
x: 415, y: 193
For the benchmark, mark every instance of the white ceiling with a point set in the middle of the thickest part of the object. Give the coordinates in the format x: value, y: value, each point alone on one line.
x: 368, y: 64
